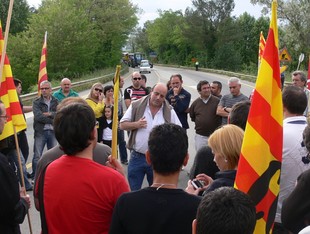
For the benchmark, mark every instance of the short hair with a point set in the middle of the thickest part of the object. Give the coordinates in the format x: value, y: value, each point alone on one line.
x: 201, y: 83
x: 226, y: 210
x: 45, y: 82
x: 107, y: 88
x: 17, y: 82
x: 143, y: 77
x: 303, y: 77
x: 227, y: 141
x: 294, y: 100
x: 176, y: 75
x: 73, y: 127
x: 239, y: 114
x: 167, y: 145
x: 234, y: 80
x: 69, y: 100
x: 219, y: 84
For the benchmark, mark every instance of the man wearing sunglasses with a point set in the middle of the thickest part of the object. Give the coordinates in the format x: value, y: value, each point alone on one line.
x: 44, y: 109
x: 135, y: 91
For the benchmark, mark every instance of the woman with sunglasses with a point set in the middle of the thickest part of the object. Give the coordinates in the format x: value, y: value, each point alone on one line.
x: 95, y: 99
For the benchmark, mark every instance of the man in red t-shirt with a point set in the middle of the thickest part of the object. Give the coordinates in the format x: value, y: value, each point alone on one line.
x: 79, y: 194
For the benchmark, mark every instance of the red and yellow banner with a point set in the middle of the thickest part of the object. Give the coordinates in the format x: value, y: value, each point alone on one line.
x: 262, y: 44
x: 42, y: 70
x: 8, y: 96
x: 115, y: 112
x: 259, y: 166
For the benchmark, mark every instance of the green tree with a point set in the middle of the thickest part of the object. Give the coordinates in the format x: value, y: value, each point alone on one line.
x: 295, y: 21
x: 20, y: 15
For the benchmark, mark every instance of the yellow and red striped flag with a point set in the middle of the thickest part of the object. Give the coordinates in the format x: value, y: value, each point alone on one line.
x: 262, y: 44
x: 115, y: 112
x: 42, y: 70
x: 8, y: 96
x: 259, y: 166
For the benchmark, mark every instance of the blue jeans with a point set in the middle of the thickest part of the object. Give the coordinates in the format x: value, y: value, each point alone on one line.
x: 40, y: 140
x: 137, y: 168
x: 122, y: 145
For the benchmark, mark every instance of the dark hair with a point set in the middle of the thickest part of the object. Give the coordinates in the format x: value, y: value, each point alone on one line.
x: 219, y: 84
x: 143, y: 77
x: 239, y: 114
x: 168, y: 145
x: 201, y: 83
x: 17, y: 82
x: 176, y: 75
x: 73, y: 126
x: 111, y: 107
x: 107, y: 88
x: 227, y: 211
x: 294, y: 100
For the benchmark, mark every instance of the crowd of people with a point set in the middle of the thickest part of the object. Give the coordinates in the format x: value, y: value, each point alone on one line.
x: 80, y: 188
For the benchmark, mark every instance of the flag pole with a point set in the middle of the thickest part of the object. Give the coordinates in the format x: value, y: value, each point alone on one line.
x: 6, y: 35
x: 21, y: 174
x: 115, y: 112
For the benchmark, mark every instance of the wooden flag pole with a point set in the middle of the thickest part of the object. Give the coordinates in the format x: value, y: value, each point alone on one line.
x: 6, y: 35
x: 21, y: 175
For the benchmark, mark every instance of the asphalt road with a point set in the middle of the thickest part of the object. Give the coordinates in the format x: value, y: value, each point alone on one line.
x: 158, y: 74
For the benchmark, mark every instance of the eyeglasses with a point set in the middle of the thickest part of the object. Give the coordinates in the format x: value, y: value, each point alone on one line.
x: 4, y: 116
x: 44, y: 88
x: 100, y: 90
x: 136, y: 78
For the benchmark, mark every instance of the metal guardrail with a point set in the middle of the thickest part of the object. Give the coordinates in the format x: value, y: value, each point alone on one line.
x: 32, y: 96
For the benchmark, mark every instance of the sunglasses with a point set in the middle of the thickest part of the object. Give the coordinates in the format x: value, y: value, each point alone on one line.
x: 44, y: 88
x: 135, y: 78
x: 100, y: 90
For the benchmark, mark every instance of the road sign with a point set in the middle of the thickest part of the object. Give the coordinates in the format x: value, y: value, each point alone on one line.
x: 284, y: 55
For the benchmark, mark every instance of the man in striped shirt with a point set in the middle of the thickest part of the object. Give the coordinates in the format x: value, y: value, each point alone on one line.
x: 136, y: 90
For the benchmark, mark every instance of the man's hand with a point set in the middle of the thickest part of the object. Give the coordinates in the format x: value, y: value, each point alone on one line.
x: 142, y: 123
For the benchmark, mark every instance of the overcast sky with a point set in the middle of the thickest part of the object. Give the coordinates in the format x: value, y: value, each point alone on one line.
x: 150, y: 7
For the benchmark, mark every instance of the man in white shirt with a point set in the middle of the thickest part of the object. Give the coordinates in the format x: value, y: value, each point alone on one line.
x: 141, y: 116
x: 294, y: 151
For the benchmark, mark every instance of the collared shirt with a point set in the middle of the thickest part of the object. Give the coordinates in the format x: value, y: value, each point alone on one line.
x: 143, y: 133
x: 205, y: 101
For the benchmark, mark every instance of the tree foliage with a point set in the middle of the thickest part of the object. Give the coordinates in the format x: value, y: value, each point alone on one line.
x: 20, y: 15
x: 83, y: 35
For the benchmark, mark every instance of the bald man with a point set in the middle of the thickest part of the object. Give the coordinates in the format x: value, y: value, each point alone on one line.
x: 65, y: 90
x: 136, y: 90
x: 141, y: 116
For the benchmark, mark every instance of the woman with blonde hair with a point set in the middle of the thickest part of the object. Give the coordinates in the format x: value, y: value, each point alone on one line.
x: 95, y: 99
x: 226, y: 144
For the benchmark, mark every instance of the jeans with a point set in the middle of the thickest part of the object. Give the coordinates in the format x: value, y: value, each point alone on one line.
x: 122, y: 145
x: 13, y: 159
x: 137, y: 168
x: 40, y: 140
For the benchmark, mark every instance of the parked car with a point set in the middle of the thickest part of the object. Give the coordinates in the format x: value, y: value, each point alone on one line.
x: 145, y: 68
